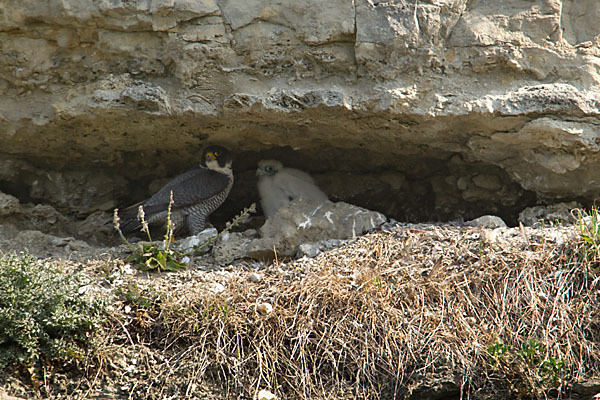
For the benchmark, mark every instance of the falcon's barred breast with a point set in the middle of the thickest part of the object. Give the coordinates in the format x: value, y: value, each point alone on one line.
x: 196, y: 194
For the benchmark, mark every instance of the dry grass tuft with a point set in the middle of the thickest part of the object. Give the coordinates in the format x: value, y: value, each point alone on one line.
x: 469, y: 310
x: 417, y: 310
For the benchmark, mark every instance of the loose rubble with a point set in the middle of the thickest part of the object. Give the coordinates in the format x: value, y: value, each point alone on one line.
x: 559, y: 213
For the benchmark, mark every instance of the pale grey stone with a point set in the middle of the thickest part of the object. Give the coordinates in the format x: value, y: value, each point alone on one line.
x: 487, y: 181
x: 231, y: 247
x: 8, y: 204
x: 217, y: 288
x: 190, y: 242
x: 319, y: 227
x: 487, y: 221
x: 313, y: 249
x: 309, y: 250
x: 303, y: 221
x: 256, y: 277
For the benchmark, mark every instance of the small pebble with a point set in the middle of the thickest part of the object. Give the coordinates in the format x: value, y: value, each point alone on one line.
x: 264, y: 308
x: 217, y: 288
x: 264, y: 394
x: 256, y: 278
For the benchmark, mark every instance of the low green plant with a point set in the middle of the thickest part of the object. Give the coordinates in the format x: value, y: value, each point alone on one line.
x: 529, y: 369
x: 43, y: 316
x: 589, y: 231
x: 136, y: 296
x: 149, y: 256
x: 498, y: 354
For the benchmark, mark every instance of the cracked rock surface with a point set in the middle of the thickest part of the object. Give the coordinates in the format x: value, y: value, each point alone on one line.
x: 302, y: 227
x: 419, y: 110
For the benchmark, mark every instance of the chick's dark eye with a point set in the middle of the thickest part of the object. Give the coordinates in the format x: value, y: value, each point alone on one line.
x: 268, y: 168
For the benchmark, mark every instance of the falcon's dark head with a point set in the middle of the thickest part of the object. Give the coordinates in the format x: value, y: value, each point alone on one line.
x: 216, y: 157
x: 268, y: 167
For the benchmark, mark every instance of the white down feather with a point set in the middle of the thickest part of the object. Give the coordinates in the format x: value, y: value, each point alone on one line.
x: 285, y: 186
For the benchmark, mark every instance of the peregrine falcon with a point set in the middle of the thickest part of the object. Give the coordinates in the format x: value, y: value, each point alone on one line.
x: 278, y: 186
x: 196, y: 194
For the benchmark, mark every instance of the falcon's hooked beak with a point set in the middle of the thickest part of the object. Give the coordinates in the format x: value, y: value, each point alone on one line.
x: 216, y: 159
x: 264, y: 171
x: 210, y: 156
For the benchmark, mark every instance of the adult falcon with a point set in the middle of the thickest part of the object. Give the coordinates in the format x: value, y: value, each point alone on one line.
x: 196, y: 194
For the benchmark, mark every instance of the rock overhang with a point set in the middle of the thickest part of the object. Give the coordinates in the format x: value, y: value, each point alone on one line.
x: 421, y: 111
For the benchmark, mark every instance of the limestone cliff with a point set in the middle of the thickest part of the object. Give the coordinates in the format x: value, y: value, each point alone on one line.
x: 425, y: 109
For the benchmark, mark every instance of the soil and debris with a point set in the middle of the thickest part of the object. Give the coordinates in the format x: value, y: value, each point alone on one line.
x: 406, y: 311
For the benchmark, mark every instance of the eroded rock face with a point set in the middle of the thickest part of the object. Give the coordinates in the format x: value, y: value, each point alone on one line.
x: 421, y: 110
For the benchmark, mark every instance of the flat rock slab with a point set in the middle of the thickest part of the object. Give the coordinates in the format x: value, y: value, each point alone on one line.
x: 298, y: 223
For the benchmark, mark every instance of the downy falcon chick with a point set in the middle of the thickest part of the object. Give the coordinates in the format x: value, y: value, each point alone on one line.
x: 196, y: 194
x: 278, y: 186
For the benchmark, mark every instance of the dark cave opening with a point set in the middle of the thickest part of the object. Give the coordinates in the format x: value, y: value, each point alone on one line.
x: 407, y: 187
